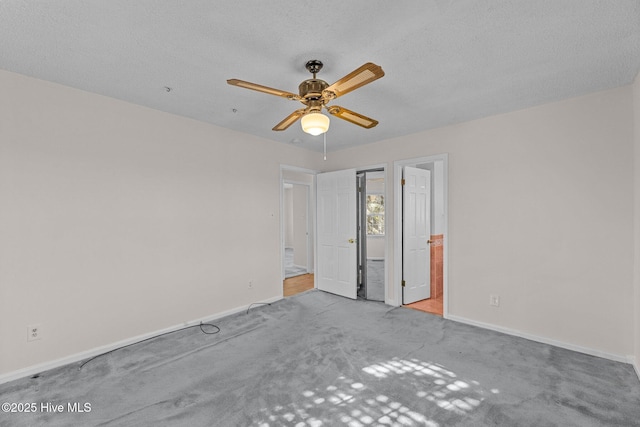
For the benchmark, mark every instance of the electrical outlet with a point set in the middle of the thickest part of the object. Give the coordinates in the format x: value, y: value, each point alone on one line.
x: 250, y: 284
x: 34, y: 332
x: 494, y: 300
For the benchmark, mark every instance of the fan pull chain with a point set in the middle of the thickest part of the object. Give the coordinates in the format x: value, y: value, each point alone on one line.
x: 325, y: 145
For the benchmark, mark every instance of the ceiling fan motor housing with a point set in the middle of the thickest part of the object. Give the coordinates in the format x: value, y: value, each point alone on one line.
x: 311, y: 90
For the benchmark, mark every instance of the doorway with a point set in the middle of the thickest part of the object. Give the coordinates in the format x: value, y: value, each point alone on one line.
x: 436, y: 256
x: 371, y: 234
x: 297, y: 230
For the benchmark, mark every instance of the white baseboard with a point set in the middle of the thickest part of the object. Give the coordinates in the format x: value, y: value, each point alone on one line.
x: 634, y: 363
x: 568, y: 346
x: 35, y: 369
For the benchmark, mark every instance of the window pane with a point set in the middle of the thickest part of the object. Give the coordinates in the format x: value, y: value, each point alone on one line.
x: 375, y: 214
x: 375, y: 203
x: 375, y: 224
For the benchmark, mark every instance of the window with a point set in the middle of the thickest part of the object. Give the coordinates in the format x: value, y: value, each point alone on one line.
x: 375, y: 215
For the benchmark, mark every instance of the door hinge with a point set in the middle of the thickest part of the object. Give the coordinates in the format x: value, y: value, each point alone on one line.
x: 402, y: 182
x: 403, y: 283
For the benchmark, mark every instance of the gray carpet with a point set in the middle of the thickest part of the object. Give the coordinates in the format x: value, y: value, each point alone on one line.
x: 290, y: 269
x: 321, y: 360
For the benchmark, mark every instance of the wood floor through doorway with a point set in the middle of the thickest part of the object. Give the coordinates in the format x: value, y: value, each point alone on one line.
x: 297, y: 284
x: 304, y: 282
x: 431, y: 305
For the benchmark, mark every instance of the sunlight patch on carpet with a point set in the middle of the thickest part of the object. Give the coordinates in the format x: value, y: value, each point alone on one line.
x: 360, y: 403
x: 445, y: 390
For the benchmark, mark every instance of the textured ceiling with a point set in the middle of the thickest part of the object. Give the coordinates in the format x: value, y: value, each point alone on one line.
x: 445, y: 61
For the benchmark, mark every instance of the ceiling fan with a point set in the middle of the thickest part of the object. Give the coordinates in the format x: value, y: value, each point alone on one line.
x: 315, y: 94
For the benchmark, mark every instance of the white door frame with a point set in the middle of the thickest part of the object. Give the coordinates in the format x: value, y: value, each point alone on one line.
x: 311, y: 214
x: 398, y: 165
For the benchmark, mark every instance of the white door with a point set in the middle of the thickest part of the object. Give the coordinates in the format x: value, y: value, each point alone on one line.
x: 416, y: 232
x: 337, y: 233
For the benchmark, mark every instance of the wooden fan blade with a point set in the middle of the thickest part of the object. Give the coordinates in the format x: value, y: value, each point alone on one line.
x: 352, y: 81
x: 289, y: 120
x: 352, y: 116
x: 264, y: 89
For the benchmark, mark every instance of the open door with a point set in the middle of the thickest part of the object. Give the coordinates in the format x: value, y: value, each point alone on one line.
x: 337, y: 233
x: 416, y: 232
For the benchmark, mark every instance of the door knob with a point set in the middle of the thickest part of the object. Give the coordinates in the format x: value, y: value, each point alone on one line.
x: 429, y: 241
x: 351, y: 241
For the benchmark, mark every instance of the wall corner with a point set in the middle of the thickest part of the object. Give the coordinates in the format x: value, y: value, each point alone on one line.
x: 636, y: 221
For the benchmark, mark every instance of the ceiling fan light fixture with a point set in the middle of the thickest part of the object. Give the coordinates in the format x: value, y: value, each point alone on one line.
x: 315, y: 123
